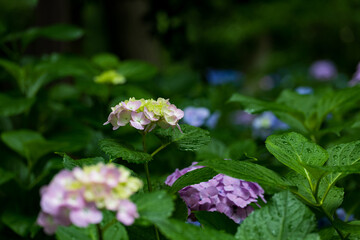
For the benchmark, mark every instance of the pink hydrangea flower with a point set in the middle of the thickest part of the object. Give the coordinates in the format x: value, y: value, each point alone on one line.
x: 145, y: 114
x: 222, y: 193
x: 78, y: 196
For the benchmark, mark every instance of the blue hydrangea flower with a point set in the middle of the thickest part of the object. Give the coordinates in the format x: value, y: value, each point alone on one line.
x: 219, y: 77
x: 303, y: 90
x: 265, y: 124
x: 323, y: 70
x: 212, y: 121
x: 196, y: 116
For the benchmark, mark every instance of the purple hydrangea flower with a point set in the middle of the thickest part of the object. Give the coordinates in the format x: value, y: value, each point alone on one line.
x: 218, y: 77
x: 196, y: 116
x: 266, y: 123
x: 303, y: 90
x: 222, y: 193
x: 356, y: 78
x: 323, y: 70
x: 77, y: 196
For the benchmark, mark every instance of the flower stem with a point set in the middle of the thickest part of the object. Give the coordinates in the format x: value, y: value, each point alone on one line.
x: 100, y: 233
x: 146, y: 165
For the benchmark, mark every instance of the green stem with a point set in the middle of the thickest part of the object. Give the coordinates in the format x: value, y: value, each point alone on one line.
x: 109, y: 225
x: 159, y: 149
x: 146, y: 165
x: 100, y: 233
x: 332, y: 223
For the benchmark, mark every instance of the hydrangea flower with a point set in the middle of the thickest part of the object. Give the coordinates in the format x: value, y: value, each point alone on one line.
x: 110, y: 76
x: 212, y: 121
x: 222, y: 193
x: 196, y: 116
x: 356, y: 78
x: 145, y: 114
x: 218, y: 77
x: 323, y: 70
x: 266, y: 123
x: 303, y: 90
x: 241, y: 117
x: 77, y: 196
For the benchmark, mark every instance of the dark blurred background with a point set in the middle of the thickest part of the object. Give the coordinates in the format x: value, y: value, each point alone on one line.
x: 252, y: 36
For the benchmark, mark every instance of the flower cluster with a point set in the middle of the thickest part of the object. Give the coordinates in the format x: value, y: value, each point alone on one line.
x: 110, y: 76
x: 217, y: 77
x: 323, y: 70
x: 75, y: 197
x: 265, y: 124
x: 199, y: 116
x: 145, y: 114
x: 224, y: 194
x: 304, y: 90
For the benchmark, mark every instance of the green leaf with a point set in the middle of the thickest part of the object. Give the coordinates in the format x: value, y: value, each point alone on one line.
x: 215, y: 149
x: 5, y: 176
x: 191, y: 139
x: 28, y: 144
x: 334, y: 195
x: 61, y: 32
x: 343, y: 100
x: 285, y: 113
x: 137, y: 70
x: 241, y: 149
x: 13, y: 69
x: 345, y: 155
x: 72, y: 232
x: 283, y: 218
x: 193, y: 177
x: 253, y: 105
x: 19, y: 223
x: 115, y: 231
x: 106, y: 60
x: 154, y: 206
x: 296, y: 151
x: 303, y: 103
x: 178, y: 230
x: 117, y: 150
x: 70, y: 163
x: 216, y: 220
x: 349, y: 227
x: 247, y: 171
x: 12, y: 106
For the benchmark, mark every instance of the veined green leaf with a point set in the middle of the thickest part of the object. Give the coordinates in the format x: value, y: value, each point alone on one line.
x: 295, y: 151
x: 70, y: 163
x: 247, y: 171
x: 117, y: 150
x: 191, y: 139
x: 177, y: 230
x: 154, y: 206
x: 193, y: 177
x: 283, y: 218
